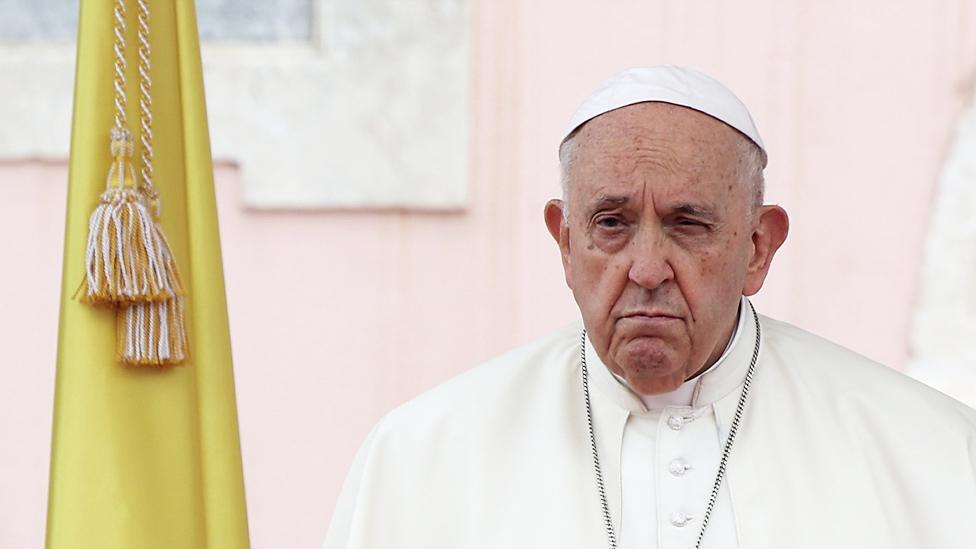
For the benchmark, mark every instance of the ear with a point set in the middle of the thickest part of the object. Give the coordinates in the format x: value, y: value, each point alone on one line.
x: 772, y: 226
x: 559, y: 229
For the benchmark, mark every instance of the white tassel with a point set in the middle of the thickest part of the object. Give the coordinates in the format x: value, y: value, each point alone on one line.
x: 127, y: 257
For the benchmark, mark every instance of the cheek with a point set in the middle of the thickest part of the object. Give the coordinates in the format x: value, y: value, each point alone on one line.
x: 599, y: 278
x: 707, y: 275
x: 599, y: 271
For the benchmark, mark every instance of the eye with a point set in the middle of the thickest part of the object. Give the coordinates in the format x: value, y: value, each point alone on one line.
x: 609, y: 222
x: 690, y: 226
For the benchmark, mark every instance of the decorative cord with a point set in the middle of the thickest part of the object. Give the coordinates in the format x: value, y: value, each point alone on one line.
x: 145, y: 106
x: 119, y: 48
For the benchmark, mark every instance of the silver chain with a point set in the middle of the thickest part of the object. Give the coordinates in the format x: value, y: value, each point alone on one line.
x: 726, y: 451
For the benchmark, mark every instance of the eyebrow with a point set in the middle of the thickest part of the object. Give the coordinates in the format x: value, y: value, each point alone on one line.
x: 686, y: 208
x: 604, y: 200
x: 694, y: 210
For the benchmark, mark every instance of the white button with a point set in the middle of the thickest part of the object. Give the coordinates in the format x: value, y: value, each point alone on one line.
x: 676, y: 422
x: 678, y: 467
x: 680, y: 519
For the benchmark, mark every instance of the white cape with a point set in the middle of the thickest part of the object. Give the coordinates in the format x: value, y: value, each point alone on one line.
x: 834, y: 451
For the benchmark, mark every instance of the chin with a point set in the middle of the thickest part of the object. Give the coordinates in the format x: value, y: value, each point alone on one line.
x: 650, y: 366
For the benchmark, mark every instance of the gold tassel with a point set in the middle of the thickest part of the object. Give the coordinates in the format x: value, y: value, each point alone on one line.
x: 153, y: 333
x: 128, y: 258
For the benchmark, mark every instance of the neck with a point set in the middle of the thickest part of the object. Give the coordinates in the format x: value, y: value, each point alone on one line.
x: 684, y: 393
x: 725, y: 343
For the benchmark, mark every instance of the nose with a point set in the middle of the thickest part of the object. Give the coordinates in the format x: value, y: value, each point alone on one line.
x: 650, y: 266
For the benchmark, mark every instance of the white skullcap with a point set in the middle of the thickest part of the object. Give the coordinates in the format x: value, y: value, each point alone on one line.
x: 668, y: 84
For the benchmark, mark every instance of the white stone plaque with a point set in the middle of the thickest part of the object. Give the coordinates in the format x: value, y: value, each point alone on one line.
x: 372, y: 114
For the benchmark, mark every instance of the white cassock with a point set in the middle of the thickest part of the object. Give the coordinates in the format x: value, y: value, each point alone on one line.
x: 834, y: 451
x: 670, y: 451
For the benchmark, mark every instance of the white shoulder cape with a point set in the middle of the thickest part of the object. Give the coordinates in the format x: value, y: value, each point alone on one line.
x: 834, y: 451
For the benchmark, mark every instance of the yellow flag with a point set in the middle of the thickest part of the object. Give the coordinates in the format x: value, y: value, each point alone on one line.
x: 142, y: 457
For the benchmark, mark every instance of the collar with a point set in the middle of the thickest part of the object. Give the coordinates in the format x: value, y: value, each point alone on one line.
x: 717, y: 381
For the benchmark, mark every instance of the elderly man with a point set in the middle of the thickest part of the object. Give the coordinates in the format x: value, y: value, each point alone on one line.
x: 675, y: 416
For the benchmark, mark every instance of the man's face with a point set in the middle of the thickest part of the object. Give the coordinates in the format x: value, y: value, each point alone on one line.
x: 661, y: 240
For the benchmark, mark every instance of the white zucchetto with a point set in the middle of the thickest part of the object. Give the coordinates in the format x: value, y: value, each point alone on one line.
x: 668, y: 84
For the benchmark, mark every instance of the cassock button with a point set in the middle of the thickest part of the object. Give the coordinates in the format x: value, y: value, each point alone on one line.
x: 678, y: 467
x: 676, y: 422
x: 680, y: 519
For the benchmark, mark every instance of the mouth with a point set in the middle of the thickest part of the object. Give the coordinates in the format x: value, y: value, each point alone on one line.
x: 649, y: 318
x: 649, y: 314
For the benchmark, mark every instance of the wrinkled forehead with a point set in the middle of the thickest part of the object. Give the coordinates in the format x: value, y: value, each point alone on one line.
x: 672, y: 152
x: 674, y: 137
x: 657, y: 119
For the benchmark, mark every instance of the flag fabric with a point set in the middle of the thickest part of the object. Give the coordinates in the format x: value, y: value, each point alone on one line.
x: 144, y: 457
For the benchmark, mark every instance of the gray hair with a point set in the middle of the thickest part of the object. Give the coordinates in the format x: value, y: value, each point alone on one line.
x: 752, y: 162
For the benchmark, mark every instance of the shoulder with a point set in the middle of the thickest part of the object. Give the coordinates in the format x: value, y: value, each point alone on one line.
x: 823, y: 369
x: 466, y: 440
x: 502, y: 384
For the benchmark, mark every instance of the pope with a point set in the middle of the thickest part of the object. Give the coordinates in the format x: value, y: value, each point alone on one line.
x: 674, y: 415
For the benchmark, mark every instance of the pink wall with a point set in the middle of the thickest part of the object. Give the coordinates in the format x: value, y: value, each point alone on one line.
x: 32, y: 202
x: 339, y: 316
